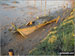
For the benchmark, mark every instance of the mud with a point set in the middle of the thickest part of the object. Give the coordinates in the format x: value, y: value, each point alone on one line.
x: 19, y: 13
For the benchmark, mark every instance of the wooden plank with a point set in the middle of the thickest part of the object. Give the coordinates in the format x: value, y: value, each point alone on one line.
x: 29, y: 30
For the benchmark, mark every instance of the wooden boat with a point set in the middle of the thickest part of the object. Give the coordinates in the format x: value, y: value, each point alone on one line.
x: 42, y: 21
x: 34, y: 25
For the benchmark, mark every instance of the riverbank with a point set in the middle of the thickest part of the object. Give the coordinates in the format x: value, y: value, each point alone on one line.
x: 59, y: 39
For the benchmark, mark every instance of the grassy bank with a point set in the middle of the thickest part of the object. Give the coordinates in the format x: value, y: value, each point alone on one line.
x: 60, y: 38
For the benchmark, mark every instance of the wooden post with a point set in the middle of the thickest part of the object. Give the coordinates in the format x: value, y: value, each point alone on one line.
x: 34, y: 3
x: 45, y: 8
x: 28, y: 2
x: 67, y: 5
x: 41, y: 5
x: 49, y: 12
x: 72, y: 3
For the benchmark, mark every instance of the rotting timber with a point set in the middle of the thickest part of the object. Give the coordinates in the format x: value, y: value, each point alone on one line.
x: 34, y: 25
x: 40, y: 22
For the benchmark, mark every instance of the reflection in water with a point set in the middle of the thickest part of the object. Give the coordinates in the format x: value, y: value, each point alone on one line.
x: 19, y: 10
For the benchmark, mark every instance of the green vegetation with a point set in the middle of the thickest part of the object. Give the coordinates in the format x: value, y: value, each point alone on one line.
x: 61, y: 38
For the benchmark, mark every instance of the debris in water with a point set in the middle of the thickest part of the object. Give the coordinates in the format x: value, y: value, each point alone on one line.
x: 9, y: 7
x: 3, y: 4
x: 15, y: 2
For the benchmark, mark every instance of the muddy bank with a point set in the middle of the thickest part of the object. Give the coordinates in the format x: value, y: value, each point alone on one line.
x: 19, y: 13
x: 22, y: 45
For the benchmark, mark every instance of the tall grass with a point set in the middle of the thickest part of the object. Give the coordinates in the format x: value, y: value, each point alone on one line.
x: 61, y: 40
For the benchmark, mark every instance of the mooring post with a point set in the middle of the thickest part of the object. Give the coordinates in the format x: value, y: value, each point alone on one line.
x: 34, y: 3
x: 45, y: 9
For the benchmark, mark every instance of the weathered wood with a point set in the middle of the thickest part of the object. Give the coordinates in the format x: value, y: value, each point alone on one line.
x: 28, y: 30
